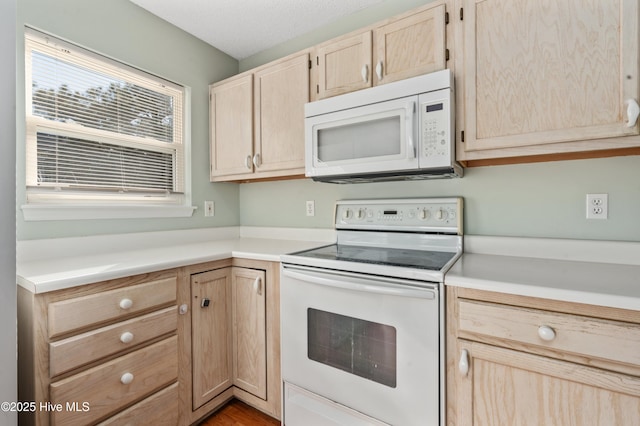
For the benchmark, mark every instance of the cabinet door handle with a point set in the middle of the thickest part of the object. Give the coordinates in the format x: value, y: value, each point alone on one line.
x: 546, y: 333
x: 463, y: 365
x: 247, y: 162
x: 126, y: 303
x: 633, y: 111
x: 257, y: 286
x: 126, y: 337
x: 365, y: 73
x: 379, y: 70
x: 256, y: 160
x: 126, y: 378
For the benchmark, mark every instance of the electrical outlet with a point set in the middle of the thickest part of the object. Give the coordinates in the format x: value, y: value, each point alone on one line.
x: 597, y: 206
x: 311, y: 208
x: 209, y: 209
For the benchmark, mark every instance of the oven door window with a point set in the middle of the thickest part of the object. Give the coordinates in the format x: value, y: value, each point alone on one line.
x: 363, y: 348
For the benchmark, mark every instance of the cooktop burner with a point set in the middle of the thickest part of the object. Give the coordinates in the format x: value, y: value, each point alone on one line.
x: 429, y: 260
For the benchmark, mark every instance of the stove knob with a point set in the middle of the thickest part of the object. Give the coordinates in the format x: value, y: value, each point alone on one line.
x: 425, y: 214
x: 361, y: 213
x: 441, y: 214
x: 347, y: 214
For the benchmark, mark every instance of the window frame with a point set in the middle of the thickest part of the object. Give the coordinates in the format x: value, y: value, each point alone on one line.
x: 61, y: 203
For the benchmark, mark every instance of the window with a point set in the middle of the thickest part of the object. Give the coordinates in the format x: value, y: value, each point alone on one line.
x: 102, y: 134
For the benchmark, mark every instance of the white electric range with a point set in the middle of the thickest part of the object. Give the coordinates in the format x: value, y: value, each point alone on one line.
x: 362, y: 320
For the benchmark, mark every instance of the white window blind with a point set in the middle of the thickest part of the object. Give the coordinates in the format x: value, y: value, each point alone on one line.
x: 98, y: 131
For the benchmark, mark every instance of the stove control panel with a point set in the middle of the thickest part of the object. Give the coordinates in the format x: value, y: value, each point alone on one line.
x: 412, y: 214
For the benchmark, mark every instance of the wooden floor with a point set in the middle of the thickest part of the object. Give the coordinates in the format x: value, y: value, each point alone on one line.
x: 237, y: 413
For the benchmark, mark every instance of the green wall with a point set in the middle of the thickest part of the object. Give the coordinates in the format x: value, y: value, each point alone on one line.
x: 126, y: 32
x: 537, y: 200
x: 531, y: 200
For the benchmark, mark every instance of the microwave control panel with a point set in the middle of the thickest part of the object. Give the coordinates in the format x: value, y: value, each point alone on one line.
x: 435, y: 128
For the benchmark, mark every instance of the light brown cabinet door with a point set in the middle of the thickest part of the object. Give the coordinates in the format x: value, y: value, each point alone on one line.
x: 231, y: 132
x: 281, y: 90
x: 507, y: 387
x: 211, y: 334
x: 410, y: 46
x: 249, y: 331
x: 344, y: 65
x: 539, y: 72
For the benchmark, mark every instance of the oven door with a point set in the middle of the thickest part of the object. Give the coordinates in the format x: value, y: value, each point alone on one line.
x: 364, y: 342
x: 372, y: 138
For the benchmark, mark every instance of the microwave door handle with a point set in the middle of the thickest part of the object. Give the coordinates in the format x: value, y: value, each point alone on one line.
x: 410, y: 111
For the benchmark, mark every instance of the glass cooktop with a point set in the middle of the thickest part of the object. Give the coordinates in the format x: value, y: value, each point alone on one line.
x: 430, y: 260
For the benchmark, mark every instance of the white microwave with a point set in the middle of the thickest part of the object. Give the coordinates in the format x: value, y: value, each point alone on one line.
x: 397, y: 131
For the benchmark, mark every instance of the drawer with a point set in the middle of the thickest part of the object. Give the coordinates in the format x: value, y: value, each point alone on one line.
x: 159, y: 409
x: 578, y: 335
x: 73, y: 352
x: 102, y: 389
x: 82, y: 312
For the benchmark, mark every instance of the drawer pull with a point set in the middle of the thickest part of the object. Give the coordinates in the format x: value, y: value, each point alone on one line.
x: 126, y: 378
x: 546, y: 333
x: 463, y: 365
x: 126, y: 337
x: 126, y: 303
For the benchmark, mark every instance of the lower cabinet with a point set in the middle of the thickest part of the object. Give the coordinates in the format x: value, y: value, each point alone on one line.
x: 234, y: 336
x: 249, y: 330
x: 167, y: 347
x: 101, y: 353
x: 527, y: 361
x: 211, y: 331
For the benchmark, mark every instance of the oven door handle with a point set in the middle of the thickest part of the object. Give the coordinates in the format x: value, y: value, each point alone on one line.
x: 389, y: 287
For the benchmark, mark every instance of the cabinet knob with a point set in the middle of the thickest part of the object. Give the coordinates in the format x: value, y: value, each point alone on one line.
x: 379, y: 70
x: 126, y: 378
x: 126, y: 303
x: 247, y: 162
x: 183, y: 309
x: 257, y: 286
x: 463, y: 364
x: 365, y: 73
x: 257, y: 161
x: 126, y: 337
x: 633, y: 111
x: 546, y: 333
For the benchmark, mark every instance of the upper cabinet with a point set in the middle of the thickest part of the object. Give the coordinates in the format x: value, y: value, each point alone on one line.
x: 231, y: 127
x: 344, y: 65
x: 401, y: 47
x: 534, y: 81
x: 411, y: 45
x: 280, y: 92
x: 548, y: 77
x: 257, y: 122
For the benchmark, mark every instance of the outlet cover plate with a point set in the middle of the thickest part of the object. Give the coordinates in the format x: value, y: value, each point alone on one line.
x: 597, y: 206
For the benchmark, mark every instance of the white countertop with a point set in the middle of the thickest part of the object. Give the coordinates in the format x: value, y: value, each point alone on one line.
x: 593, y: 272
x: 602, y: 284
x: 42, y: 273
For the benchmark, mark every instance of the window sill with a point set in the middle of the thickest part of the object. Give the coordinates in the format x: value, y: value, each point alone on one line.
x: 43, y: 212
